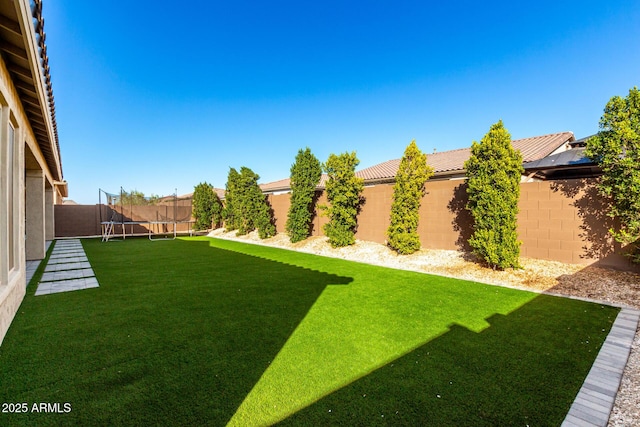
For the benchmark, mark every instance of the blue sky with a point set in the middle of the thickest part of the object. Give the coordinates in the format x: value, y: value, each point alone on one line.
x: 158, y: 96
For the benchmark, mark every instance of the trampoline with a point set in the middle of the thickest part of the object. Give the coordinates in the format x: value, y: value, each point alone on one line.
x: 132, y: 215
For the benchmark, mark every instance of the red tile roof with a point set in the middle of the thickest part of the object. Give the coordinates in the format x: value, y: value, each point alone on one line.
x: 534, y: 148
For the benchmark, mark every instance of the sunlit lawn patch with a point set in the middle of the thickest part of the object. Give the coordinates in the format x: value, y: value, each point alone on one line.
x: 201, y: 331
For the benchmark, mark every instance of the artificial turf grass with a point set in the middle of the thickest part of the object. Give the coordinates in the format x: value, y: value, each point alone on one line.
x: 499, y: 376
x: 202, y: 331
x: 172, y: 324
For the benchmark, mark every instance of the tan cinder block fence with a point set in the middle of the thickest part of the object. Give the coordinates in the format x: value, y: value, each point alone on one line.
x: 559, y: 220
x: 77, y: 220
x: 84, y: 220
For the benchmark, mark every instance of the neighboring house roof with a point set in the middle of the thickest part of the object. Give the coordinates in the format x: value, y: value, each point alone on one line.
x: 446, y: 162
x: 280, y: 185
x: 220, y: 192
x: 582, y: 142
x: 449, y: 162
x: 569, y: 164
x: 572, y: 157
x: 285, y: 184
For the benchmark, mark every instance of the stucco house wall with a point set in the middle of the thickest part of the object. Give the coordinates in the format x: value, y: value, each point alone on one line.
x: 30, y: 169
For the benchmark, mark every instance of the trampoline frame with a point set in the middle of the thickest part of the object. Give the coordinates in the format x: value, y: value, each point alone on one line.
x: 108, y: 227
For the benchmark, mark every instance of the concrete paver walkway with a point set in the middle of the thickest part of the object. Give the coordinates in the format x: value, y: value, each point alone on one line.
x: 595, y: 400
x: 68, y: 269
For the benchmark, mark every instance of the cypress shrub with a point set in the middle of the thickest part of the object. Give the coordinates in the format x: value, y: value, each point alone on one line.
x: 408, y: 191
x: 231, y: 213
x: 344, y: 195
x: 206, y: 206
x: 254, y: 210
x: 305, y: 176
x: 616, y: 149
x: 493, y: 185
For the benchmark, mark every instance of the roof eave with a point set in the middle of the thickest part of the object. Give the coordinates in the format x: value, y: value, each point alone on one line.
x: 44, y: 118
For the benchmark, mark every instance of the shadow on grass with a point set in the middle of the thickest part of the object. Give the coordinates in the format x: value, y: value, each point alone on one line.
x: 178, y: 333
x: 525, y: 369
x: 181, y: 333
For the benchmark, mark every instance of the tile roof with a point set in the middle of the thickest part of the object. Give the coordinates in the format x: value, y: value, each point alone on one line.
x: 537, y: 147
x: 218, y: 191
x: 534, y: 148
x: 285, y: 184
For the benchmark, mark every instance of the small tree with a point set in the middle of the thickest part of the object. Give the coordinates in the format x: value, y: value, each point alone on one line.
x: 343, y: 193
x: 217, y: 210
x: 255, y: 212
x: 305, y: 176
x: 137, y: 198
x: 408, y: 191
x: 616, y: 149
x: 493, y: 179
x: 231, y: 212
x: 206, y: 206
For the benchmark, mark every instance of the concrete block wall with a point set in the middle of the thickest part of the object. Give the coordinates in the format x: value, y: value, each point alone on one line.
x: 84, y: 220
x: 558, y: 220
x: 373, y: 219
x: 444, y: 220
x: 77, y: 220
x: 566, y: 221
x: 280, y: 203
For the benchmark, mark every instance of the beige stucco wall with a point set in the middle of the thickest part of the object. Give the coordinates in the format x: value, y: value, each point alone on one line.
x: 35, y: 215
x: 13, y: 278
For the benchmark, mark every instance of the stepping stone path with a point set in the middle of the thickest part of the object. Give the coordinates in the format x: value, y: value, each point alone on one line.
x: 68, y: 269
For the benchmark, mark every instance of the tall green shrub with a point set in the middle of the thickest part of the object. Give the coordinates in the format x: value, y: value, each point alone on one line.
x: 232, y: 213
x: 217, y: 210
x: 255, y: 212
x: 493, y: 179
x: 344, y: 195
x: 408, y: 191
x: 206, y: 206
x: 305, y: 176
x: 616, y: 149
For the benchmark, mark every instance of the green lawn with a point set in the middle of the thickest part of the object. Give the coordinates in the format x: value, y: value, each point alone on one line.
x: 200, y: 331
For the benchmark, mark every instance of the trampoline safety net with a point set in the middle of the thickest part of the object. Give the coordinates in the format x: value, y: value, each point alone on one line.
x: 133, y: 214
